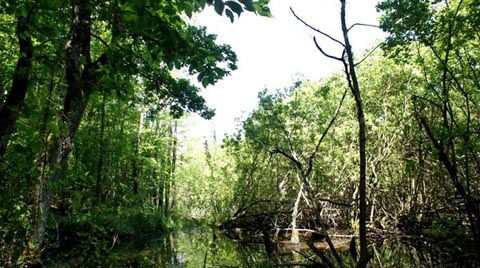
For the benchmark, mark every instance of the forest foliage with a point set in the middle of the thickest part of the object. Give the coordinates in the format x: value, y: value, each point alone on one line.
x: 92, y: 144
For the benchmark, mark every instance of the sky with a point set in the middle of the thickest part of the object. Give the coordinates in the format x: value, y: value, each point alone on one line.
x: 274, y: 52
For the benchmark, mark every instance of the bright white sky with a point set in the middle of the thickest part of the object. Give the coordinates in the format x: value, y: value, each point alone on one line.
x: 273, y: 51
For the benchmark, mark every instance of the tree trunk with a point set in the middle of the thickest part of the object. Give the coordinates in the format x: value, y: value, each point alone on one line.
x: 169, y: 186
x: 471, y: 205
x: 21, y: 79
x: 136, y: 162
x: 173, y: 165
x: 295, y: 236
x: 101, y: 154
x: 355, y: 88
x: 81, y: 78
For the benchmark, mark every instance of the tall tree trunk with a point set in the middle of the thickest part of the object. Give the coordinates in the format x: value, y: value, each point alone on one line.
x: 173, y: 169
x: 101, y: 153
x: 471, y: 205
x: 349, y: 68
x: 80, y: 78
x: 157, y: 196
x: 21, y: 79
x: 355, y: 89
x: 136, y: 162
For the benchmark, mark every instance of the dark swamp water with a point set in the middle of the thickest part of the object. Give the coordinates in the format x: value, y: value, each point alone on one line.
x: 206, y: 247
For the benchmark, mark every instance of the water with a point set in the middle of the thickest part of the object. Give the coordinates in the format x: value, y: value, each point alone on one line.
x: 190, y: 248
x: 205, y: 247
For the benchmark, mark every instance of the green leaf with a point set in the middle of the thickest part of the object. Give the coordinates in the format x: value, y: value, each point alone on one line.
x: 202, y: 3
x: 205, y: 82
x: 262, y: 9
x: 230, y: 15
x: 23, y: 12
x: 201, y: 76
x: 248, y: 5
x: 235, y: 7
x: 212, y: 58
x: 188, y: 11
x: 219, y: 6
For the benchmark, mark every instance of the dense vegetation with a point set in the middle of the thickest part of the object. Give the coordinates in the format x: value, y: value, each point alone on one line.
x: 92, y: 154
x: 89, y: 101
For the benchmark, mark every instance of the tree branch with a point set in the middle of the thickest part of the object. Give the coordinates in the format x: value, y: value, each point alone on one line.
x: 334, y: 202
x: 317, y: 147
x: 323, y: 52
x: 368, y: 55
x: 363, y: 24
x: 100, y: 39
x: 316, y: 30
x: 291, y: 158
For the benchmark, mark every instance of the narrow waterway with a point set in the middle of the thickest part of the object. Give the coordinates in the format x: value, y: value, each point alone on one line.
x: 205, y: 247
x: 187, y: 248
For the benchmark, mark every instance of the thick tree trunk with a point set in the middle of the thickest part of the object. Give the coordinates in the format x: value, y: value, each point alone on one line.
x: 355, y: 88
x: 21, y: 79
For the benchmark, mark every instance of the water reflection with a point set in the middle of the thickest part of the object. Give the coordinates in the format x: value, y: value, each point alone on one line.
x: 204, y: 247
x: 193, y: 248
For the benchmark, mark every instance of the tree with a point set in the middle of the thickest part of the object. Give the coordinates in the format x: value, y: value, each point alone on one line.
x: 112, y: 45
x: 349, y: 64
x: 439, y: 35
x: 21, y: 77
x: 280, y: 149
x: 288, y: 120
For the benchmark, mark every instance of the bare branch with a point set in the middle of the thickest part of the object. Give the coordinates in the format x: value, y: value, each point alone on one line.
x: 363, y: 24
x: 316, y: 30
x: 334, y: 202
x: 324, y: 53
x: 324, y: 134
x: 368, y: 55
x: 373, y: 50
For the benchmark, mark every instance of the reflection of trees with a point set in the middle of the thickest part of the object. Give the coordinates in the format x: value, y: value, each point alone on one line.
x: 205, y: 248
x: 168, y: 251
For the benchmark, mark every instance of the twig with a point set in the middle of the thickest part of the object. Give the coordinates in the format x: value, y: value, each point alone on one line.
x: 368, y: 55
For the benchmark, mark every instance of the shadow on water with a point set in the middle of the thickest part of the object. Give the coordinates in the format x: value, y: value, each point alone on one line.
x: 205, y: 247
